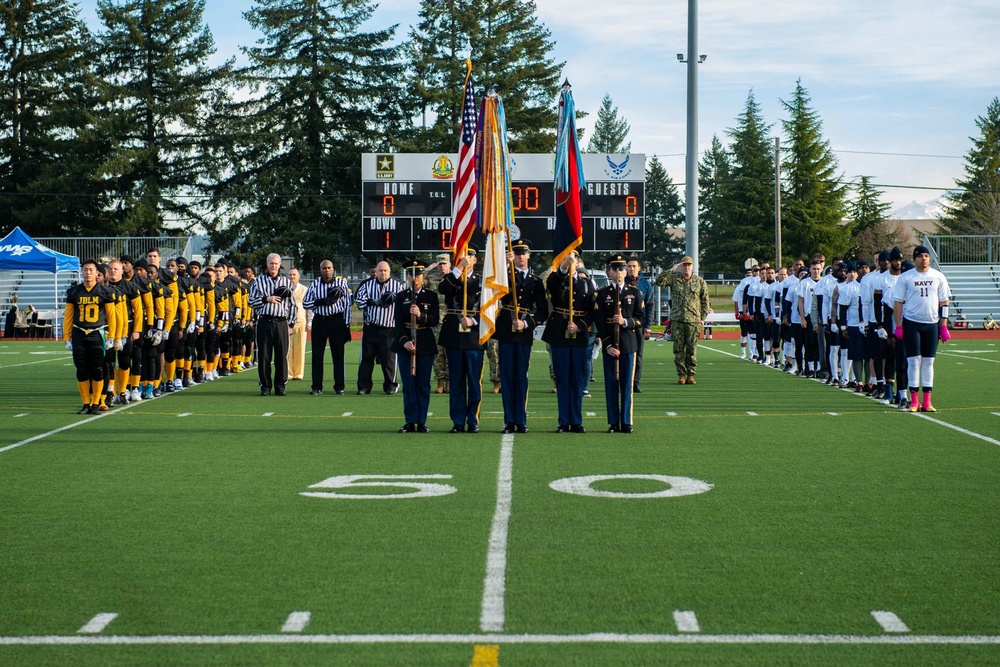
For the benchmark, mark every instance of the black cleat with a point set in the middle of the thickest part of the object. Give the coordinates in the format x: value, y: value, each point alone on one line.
x: 457, y: 428
x: 408, y: 428
x: 627, y: 428
x: 280, y: 391
x: 472, y: 428
x: 422, y: 428
x: 562, y: 429
x: 338, y: 392
x: 315, y: 392
x: 508, y: 428
x: 265, y: 392
x: 613, y: 428
x: 85, y: 410
x: 363, y: 392
x: 577, y: 428
x: 521, y: 428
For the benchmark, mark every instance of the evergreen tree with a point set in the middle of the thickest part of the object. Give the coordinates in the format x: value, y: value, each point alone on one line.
x: 510, y: 52
x: 46, y: 137
x: 868, y: 217
x: 610, y: 131
x: 322, y: 92
x: 157, y: 90
x: 746, y: 227
x: 664, y: 217
x: 714, y: 200
x: 813, y: 201
x: 974, y: 208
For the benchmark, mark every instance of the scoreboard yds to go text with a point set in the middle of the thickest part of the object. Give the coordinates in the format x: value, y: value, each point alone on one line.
x: 406, y: 201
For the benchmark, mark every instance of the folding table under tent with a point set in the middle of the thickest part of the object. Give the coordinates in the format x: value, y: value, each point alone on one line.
x: 38, y: 276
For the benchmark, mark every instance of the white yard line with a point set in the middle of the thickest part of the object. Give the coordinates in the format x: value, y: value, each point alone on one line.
x: 593, y: 638
x: 97, y: 623
x: 347, y: 414
x: 491, y: 618
x: 67, y: 427
x: 297, y: 621
x: 267, y: 414
x: 889, y: 621
x: 954, y: 428
x: 965, y: 356
x: 32, y: 363
x: 686, y: 621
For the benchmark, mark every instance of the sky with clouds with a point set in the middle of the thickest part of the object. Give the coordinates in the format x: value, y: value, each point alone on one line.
x: 886, y: 76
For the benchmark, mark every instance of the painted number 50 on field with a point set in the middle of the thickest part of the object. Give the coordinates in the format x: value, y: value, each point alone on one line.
x: 347, y: 486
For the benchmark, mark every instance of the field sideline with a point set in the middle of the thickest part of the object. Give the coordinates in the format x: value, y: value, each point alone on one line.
x: 756, y: 518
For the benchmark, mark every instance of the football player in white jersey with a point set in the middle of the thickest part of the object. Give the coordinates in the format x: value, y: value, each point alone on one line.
x: 738, y: 300
x: 847, y: 318
x: 871, y: 291
x: 920, y: 314
x: 806, y: 348
x: 894, y: 358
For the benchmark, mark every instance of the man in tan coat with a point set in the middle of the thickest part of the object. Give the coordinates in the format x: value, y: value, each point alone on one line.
x: 688, y: 307
x: 297, y: 341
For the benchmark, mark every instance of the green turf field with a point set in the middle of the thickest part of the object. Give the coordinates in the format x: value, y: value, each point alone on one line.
x: 792, y: 512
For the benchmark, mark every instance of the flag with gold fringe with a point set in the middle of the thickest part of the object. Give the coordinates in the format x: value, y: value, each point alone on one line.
x: 569, y: 181
x: 495, y: 211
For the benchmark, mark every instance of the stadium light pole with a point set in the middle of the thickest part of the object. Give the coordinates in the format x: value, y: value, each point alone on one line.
x: 691, y: 165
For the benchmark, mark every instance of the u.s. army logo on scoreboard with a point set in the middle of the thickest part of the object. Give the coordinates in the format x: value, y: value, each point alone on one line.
x: 385, y: 167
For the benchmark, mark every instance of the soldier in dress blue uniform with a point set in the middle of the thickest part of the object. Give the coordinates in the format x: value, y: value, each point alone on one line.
x: 567, y: 336
x: 619, y: 314
x: 515, y: 333
x: 460, y: 340
x: 417, y: 312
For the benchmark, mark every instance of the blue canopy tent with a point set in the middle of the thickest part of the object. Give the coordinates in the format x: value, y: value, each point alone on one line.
x: 33, y: 272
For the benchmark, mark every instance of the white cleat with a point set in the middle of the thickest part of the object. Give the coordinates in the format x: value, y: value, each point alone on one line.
x: 135, y: 396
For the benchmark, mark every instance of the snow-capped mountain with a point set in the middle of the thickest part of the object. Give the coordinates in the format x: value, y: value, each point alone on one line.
x: 929, y: 210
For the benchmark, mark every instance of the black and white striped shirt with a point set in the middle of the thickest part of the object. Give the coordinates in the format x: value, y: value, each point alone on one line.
x: 263, y: 287
x: 377, y: 301
x: 325, y: 299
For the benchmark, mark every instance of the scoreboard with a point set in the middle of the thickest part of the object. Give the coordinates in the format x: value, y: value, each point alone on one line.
x: 406, y: 201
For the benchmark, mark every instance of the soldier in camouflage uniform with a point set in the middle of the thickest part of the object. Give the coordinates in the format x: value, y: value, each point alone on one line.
x: 494, y: 358
x: 689, y: 306
x: 433, y: 275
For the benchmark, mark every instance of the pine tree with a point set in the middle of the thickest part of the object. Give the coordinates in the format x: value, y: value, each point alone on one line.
x: 974, y: 208
x: 510, y: 52
x: 714, y: 201
x: 664, y: 217
x: 46, y: 138
x: 813, y: 201
x: 322, y: 92
x: 868, y: 218
x: 153, y: 65
x: 610, y: 131
x: 746, y: 227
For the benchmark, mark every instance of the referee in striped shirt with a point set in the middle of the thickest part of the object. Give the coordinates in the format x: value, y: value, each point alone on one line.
x: 271, y: 299
x: 376, y: 299
x: 330, y: 300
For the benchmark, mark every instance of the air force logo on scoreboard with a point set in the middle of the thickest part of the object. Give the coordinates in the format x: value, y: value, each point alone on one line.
x: 618, y: 171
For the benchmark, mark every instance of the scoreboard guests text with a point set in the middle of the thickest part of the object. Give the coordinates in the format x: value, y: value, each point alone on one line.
x: 406, y: 201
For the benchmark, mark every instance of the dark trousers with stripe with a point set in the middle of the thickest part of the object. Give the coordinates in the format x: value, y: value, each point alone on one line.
x: 465, y: 389
x: 416, y: 390
x: 570, y: 367
x: 272, y: 345
x: 618, y: 393
x: 375, y: 344
x: 332, y: 330
x: 514, y: 360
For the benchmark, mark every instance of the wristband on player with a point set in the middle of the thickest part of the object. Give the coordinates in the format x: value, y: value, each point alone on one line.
x: 159, y: 325
x: 944, y: 312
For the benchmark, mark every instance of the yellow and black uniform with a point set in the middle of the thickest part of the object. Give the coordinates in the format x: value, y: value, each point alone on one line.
x: 90, y: 316
x: 154, y: 339
x: 145, y: 317
x: 130, y: 318
x: 173, y: 303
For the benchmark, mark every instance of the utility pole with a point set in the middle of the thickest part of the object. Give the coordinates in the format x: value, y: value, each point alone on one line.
x: 777, y: 202
x: 691, y: 170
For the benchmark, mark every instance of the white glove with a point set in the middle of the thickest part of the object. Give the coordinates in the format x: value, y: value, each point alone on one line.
x: 880, y: 332
x: 190, y: 328
x: 157, y: 337
x: 109, y: 343
x: 224, y: 328
x: 120, y: 344
x: 69, y: 345
x: 833, y: 328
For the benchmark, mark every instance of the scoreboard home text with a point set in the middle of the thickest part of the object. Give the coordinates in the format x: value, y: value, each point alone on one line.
x: 406, y: 201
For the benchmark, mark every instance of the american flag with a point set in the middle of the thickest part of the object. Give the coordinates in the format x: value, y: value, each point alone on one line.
x: 464, y: 208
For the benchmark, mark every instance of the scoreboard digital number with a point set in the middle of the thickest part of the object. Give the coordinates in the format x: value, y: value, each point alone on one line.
x: 407, y: 202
